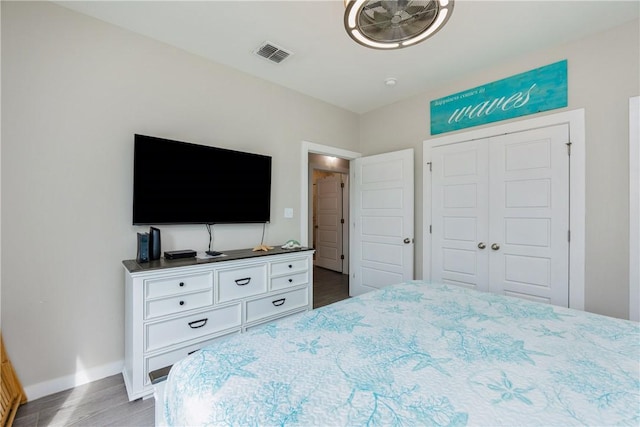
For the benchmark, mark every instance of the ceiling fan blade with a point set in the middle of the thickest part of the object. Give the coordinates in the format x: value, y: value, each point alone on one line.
x: 401, y: 33
x: 391, y: 6
x: 373, y: 23
x: 425, y: 18
x: 372, y: 5
x: 381, y: 18
x: 412, y: 10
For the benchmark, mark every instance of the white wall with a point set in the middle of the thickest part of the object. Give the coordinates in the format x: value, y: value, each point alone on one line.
x: 603, y: 73
x: 74, y: 91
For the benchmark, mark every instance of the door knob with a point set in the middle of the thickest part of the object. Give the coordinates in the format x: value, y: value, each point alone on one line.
x: 481, y: 245
x: 407, y: 240
x: 495, y: 246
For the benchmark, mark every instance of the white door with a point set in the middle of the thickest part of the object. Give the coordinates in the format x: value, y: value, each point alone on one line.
x: 529, y: 215
x: 634, y: 208
x: 460, y: 206
x: 500, y: 210
x: 329, y: 222
x: 382, y: 221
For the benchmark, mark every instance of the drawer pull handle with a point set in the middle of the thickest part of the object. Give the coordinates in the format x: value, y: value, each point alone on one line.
x: 181, y: 284
x: 278, y: 302
x: 191, y: 352
x: 198, y: 323
x: 290, y: 280
x: 243, y: 282
x: 181, y: 302
x: 290, y: 266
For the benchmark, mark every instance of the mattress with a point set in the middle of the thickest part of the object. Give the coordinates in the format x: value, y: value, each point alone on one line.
x: 416, y: 354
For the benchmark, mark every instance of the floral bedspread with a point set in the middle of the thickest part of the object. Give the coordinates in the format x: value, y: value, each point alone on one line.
x: 417, y: 354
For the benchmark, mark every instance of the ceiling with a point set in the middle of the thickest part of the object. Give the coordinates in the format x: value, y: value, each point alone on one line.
x: 328, y: 65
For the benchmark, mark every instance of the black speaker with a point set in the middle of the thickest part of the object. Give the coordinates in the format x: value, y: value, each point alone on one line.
x: 143, y: 247
x: 154, y: 243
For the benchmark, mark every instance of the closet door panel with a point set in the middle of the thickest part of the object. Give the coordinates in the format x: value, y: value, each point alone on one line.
x: 460, y: 213
x: 529, y: 214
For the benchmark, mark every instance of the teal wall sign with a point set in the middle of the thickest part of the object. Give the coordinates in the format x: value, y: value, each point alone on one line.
x: 542, y: 89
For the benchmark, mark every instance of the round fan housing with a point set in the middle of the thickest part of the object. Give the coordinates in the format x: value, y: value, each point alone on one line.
x: 394, y: 24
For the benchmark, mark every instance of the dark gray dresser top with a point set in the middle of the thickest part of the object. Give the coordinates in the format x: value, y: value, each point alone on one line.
x: 134, y: 267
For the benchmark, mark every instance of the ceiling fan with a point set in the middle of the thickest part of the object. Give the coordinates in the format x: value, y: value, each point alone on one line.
x: 394, y: 24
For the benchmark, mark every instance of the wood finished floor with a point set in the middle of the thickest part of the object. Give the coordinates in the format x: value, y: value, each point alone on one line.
x: 100, y: 403
x: 329, y: 287
x: 104, y: 402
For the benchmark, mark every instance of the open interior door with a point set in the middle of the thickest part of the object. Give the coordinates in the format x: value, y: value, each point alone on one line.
x: 382, y: 238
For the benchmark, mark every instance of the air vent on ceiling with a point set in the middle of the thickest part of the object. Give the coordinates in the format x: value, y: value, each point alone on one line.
x: 272, y: 52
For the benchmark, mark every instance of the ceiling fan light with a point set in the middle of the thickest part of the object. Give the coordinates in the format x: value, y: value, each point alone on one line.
x: 353, y: 12
x: 389, y: 25
x: 365, y: 41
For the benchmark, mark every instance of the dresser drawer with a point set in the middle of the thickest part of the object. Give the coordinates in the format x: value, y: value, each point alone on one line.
x: 235, y: 283
x: 172, y: 285
x: 169, y: 358
x: 174, y: 331
x: 176, y: 304
x: 276, y: 304
x: 289, y: 280
x: 291, y: 266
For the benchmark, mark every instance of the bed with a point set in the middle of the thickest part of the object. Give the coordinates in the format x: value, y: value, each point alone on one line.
x: 416, y: 354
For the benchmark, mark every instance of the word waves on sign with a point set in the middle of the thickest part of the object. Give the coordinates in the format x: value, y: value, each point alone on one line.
x: 517, y: 100
x: 541, y: 89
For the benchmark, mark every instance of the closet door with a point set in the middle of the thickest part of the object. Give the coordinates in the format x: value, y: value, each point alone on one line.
x: 500, y: 214
x: 529, y: 215
x: 460, y: 214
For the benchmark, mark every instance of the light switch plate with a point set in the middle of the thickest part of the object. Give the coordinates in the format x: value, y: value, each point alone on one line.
x: 288, y: 212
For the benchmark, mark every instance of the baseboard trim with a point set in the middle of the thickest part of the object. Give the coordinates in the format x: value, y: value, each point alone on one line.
x: 85, y: 376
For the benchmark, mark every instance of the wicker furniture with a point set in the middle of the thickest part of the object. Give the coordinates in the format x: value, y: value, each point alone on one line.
x: 12, y: 395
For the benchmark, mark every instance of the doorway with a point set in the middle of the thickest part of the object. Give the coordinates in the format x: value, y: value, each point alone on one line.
x: 380, y: 184
x: 329, y: 232
x: 306, y: 208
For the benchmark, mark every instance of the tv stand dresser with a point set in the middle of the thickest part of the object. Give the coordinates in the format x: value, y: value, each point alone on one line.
x: 175, y: 307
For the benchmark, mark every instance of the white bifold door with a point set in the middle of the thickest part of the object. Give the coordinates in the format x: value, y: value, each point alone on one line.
x: 382, y: 221
x: 500, y: 214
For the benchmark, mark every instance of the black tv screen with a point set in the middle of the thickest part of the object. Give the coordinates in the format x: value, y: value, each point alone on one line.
x: 181, y: 183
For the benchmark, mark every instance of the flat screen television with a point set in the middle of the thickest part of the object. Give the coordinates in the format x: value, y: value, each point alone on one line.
x: 182, y: 183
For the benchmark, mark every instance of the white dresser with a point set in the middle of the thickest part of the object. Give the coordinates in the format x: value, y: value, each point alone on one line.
x: 175, y: 307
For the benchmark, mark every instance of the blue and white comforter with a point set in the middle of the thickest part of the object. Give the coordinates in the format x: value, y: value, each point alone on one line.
x: 417, y: 354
